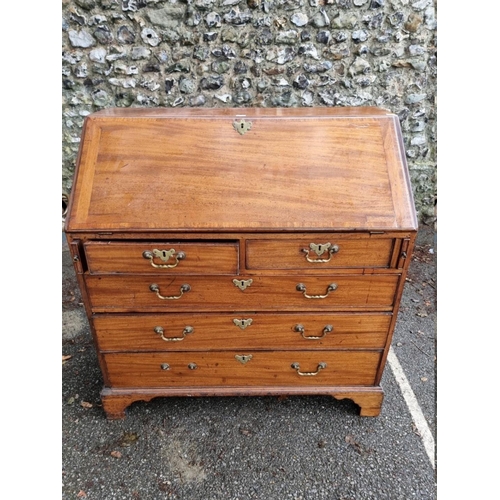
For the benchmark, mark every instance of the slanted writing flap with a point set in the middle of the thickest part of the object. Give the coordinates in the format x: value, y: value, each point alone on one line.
x: 241, y: 169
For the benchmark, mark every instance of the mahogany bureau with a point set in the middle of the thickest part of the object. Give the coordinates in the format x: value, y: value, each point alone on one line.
x: 241, y: 251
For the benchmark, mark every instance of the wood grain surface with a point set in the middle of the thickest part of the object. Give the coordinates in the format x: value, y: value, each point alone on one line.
x: 125, y: 257
x: 366, y: 252
x: 218, y: 331
x: 223, y: 369
x: 189, y: 172
x: 266, y: 293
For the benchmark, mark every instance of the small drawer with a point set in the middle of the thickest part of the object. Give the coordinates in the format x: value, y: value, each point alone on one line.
x: 320, y: 252
x: 241, y: 330
x: 242, y: 368
x: 129, y: 293
x: 162, y: 257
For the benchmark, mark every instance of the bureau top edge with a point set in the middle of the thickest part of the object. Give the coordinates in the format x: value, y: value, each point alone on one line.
x: 233, y: 234
x: 362, y: 111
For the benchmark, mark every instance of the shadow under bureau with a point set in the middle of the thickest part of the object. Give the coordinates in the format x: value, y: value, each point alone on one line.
x: 241, y: 251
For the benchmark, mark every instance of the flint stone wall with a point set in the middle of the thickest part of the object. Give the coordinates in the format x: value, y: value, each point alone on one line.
x: 265, y: 53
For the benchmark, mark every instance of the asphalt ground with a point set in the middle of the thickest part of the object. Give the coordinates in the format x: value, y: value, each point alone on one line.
x: 272, y: 448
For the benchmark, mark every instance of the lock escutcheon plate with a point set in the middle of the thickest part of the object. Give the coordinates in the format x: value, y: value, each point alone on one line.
x: 243, y: 358
x: 242, y: 126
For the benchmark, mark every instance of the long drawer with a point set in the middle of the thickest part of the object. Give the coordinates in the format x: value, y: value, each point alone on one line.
x: 265, y: 331
x: 260, y: 293
x: 245, y: 368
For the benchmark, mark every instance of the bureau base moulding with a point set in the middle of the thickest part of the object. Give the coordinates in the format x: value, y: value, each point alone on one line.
x: 115, y: 401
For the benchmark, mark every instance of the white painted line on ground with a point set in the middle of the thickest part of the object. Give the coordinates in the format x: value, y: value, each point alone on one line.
x: 413, y: 406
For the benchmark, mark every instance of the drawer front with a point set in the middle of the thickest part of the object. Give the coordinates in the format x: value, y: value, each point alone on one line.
x: 262, y: 293
x: 245, y: 368
x: 162, y: 258
x: 205, y: 332
x: 323, y: 252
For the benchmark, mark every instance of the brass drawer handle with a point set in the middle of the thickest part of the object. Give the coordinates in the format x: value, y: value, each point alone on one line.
x: 159, y: 330
x: 155, y: 288
x: 302, y: 288
x: 164, y: 256
x: 296, y: 366
x: 319, y: 249
x: 166, y: 366
x: 301, y: 330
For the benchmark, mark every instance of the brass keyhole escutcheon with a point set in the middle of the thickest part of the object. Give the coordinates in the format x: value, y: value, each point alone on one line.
x: 243, y: 358
x: 242, y: 284
x: 242, y: 126
x: 319, y: 249
x: 242, y: 323
x: 163, y: 256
